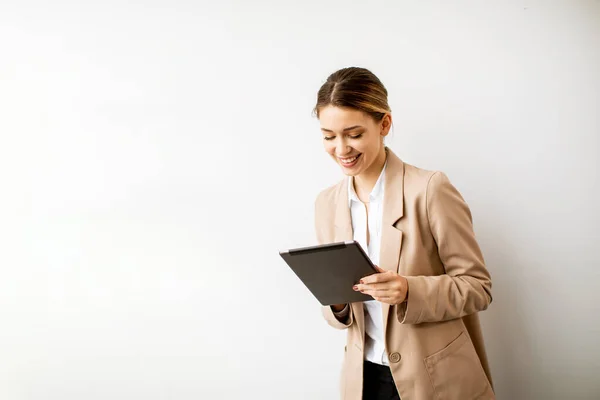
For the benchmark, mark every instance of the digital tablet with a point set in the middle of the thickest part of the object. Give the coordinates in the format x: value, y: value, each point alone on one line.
x: 329, y: 271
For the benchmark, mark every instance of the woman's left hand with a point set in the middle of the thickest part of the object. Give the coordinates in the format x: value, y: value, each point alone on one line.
x: 384, y: 286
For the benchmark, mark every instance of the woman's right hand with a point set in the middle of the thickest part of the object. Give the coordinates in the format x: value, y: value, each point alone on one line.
x: 337, y: 307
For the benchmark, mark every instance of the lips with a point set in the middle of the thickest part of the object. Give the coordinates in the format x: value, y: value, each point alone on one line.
x: 349, y: 161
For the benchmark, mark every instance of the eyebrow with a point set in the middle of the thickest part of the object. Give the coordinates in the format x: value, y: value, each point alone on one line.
x: 345, y: 129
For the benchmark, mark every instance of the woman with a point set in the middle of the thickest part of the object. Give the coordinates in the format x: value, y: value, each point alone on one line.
x: 420, y: 337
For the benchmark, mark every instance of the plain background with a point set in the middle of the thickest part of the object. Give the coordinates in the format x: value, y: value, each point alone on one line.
x: 155, y: 156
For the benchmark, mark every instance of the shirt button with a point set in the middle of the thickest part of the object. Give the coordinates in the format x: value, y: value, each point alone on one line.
x: 395, y: 357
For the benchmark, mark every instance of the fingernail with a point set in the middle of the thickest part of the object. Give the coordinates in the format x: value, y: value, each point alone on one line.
x: 355, y: 287
x: 361, y: 281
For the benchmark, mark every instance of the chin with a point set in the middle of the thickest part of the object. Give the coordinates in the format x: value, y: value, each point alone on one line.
x: 350, y: 172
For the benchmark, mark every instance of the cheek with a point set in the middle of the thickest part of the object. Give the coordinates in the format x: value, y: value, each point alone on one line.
x: 329, y: 147
x: 363, y: 148
x: 371, y: 147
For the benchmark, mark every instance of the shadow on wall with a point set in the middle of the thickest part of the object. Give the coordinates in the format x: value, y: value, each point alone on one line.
x: 508, y: 342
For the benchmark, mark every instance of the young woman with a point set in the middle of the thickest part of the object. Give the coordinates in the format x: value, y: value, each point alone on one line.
x: 419, y: 338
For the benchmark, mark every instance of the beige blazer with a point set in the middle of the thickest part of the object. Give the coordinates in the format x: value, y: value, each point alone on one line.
x: 434, y: 340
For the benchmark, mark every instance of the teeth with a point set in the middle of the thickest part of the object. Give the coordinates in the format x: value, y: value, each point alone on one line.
x: 348, y: 160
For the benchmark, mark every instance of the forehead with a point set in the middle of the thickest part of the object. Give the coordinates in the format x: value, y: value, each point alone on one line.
x: 337, y: 118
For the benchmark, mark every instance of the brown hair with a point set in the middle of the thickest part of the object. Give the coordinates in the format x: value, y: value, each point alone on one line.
x: 356, y: 88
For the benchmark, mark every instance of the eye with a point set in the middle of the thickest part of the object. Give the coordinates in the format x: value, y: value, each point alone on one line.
x: 356, y: 136
x: 328, y: 137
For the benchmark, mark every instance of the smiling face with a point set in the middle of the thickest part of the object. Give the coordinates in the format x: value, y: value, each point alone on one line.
x: 354, y: 139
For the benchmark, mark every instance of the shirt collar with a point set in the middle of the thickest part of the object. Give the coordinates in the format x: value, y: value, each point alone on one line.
x: 376, y: 192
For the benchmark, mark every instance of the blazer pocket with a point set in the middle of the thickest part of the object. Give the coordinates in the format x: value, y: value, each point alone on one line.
x: 456, y: 372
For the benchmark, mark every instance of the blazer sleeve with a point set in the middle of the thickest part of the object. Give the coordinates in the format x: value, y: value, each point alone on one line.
x: 344, y: 318
x: 466, y: 286
x: 341, y: 320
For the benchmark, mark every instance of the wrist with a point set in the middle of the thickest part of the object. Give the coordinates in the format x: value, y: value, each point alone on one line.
x: 405, y: 284
x: 338, y: 307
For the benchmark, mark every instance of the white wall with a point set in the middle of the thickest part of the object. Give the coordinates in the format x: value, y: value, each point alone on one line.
x: 155, y: 157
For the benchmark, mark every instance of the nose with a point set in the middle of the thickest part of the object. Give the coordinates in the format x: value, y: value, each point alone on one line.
x: 345, y: 152
x: 342, y: 148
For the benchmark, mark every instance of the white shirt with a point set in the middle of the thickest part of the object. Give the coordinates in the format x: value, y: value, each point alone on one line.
x: 374, y: 335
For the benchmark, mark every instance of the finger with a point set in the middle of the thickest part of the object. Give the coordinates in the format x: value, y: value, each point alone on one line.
x: 377, y: 278
x: 388, y: 285
x: 377, y: 293
x: 373, y: 286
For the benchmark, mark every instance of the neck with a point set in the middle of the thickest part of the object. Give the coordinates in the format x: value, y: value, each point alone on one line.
x: 367, y: 180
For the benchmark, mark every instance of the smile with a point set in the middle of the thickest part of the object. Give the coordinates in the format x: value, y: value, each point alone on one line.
x: 350, y: 161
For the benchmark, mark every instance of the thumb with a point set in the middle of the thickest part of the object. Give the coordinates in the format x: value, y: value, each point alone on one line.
x: 378, y: 269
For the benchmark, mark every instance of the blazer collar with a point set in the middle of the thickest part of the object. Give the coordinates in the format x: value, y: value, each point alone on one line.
x: 393, y: 202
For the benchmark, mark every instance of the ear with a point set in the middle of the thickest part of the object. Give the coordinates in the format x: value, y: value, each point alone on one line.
x: 386, y: 124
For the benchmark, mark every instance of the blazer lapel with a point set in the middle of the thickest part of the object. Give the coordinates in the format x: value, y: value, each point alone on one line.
x: 343, y: 233
x: 393, y: 210
x: 343, y: 218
